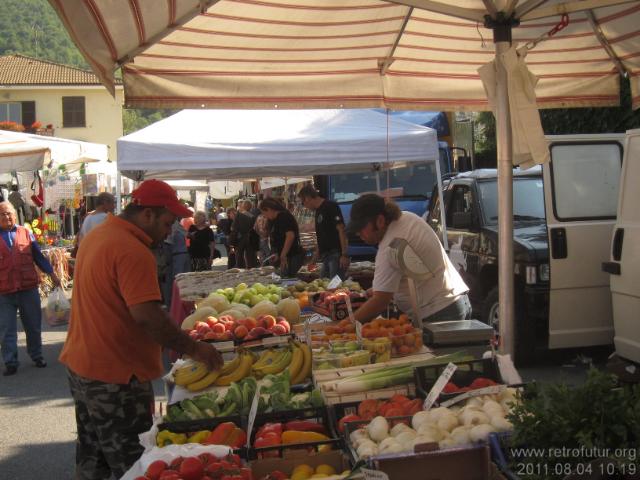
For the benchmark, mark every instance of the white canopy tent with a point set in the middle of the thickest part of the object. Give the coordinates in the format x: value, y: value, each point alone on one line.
x: 23, y: 152
x: 233, y: 144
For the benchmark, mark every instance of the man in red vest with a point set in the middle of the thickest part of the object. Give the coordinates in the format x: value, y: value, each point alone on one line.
x: 19, y: 251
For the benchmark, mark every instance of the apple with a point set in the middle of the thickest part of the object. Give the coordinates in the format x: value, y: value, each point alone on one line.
x: 258, y: 332
x: 269, y: 321
x: 285, y: 324
x: 211, y: 321
x: 228, y: 335
x: 230, y: 326
x: 240, y: 331
x: 218, y: 328
x: 193, y: 334
x: 226, y: 318
x: 279, y: 329
x: 250, y: 323
x: 211, y: 335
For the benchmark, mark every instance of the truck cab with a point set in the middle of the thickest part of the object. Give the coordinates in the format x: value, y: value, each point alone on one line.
x: 563, y: 217
x: 409, y: 185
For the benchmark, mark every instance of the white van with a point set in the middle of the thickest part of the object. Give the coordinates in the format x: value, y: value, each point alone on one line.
x: 624, y: 264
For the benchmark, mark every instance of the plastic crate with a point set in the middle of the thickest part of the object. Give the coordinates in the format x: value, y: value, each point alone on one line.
x: 499, y: 444
x: 426, y: 376
x: 192, y: 426
x: 321, y: 415
x: 200, y: 424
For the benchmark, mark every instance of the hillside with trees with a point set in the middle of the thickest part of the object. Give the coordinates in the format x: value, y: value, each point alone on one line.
x: 32, y: 28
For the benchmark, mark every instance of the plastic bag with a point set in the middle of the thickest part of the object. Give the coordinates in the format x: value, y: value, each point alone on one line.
x: 58, y: 308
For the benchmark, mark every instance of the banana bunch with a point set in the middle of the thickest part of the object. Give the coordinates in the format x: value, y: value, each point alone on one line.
x: 236, y: 370
x: 190, y: 372
x: 300, y: 366
x: 272, y: 362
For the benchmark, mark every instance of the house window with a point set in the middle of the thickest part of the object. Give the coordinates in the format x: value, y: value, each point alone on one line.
x: 73, y: 112
x: 11, y: 112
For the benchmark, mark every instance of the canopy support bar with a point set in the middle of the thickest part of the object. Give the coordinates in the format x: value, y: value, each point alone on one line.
x: 527, y: 6
x: 443, y: 8
x: 389, y: 60
x: 605, y: 42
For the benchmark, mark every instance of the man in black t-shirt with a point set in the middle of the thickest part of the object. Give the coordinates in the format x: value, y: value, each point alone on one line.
x: 330, y: 233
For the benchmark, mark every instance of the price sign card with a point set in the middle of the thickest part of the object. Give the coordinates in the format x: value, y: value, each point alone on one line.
x: 439, y: 386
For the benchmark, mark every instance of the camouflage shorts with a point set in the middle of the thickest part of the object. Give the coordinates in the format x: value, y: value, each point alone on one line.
x: 109, y: 418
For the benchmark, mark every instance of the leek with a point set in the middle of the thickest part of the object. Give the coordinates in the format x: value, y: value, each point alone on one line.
x: 388, y: 376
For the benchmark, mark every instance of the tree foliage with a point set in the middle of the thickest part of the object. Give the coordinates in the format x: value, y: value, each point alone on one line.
x: 32, y: 28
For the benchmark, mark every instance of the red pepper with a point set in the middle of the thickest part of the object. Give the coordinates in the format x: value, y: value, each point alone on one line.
x: 268, y: 440
x: 305, y: 426
x: 346, y: 419
x: 482, y: 382
x: 412, y: 407
x: 237, y: 438
x: 269, y: 427
x: 220, y: 434
x: 450, y: 388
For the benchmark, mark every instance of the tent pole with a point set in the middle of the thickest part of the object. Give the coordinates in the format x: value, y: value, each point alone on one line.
x: 505, y: 202
x: 443, y: 215
x: 118, y: 192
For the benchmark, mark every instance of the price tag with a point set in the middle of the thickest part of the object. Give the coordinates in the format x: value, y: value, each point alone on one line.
x: 370, y: 474
x: 253, y: 411
x: 439, y: 385
x: 474, y: 393
x: 334, y: 283
x: 349, y: 309
x: 358, y: 331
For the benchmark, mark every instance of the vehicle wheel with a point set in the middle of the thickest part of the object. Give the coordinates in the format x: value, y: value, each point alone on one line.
x: 524, y: 333
x: 490, y: 310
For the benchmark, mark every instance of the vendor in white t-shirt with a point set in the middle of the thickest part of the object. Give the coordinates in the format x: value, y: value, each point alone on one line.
x: 440, y: 297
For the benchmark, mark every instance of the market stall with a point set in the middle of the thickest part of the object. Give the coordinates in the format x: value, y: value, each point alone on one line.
x: 305, y: 392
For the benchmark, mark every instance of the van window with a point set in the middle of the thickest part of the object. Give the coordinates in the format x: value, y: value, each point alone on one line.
x: 461, y: 202
x: 629, y: 207
x: 585, y: 180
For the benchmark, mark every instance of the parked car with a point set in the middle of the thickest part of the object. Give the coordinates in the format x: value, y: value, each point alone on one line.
x: 563, y: 217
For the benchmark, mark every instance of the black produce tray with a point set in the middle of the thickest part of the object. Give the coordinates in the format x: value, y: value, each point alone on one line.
x: 320, y: 414
x: 201, y: 424
x: 425, y: 377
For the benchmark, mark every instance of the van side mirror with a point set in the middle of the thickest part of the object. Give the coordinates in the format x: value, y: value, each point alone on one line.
x: 461, y: 220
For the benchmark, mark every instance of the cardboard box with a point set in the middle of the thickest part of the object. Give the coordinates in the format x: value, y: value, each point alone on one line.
x: 468, y: 463
x: 265, y: 466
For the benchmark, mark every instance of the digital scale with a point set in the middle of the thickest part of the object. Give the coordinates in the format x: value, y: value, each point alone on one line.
x: 437, y: 334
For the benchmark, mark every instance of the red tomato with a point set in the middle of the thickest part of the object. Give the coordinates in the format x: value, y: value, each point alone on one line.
x: 346, y: 419
x: 213, y: 469
x: 191, y: 468
x: 155, y: 469
x: 170, y: 475
x: 246, y: 473
x: 175, y: 463
x: 207, y: 458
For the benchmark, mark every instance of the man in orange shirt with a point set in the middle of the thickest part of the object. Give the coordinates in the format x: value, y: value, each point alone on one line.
x: 117, y: 331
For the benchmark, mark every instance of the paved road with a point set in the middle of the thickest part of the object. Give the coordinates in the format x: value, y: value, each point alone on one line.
x: 37, y: 416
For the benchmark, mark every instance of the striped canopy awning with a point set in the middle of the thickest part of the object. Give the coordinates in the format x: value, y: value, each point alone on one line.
x: 401, y: 54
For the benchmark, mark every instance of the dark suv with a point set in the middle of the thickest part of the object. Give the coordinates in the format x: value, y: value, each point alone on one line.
x: 471, y: 206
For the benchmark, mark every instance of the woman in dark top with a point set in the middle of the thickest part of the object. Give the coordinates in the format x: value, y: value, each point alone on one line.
x: 285, y: 237
x: 202, y: 243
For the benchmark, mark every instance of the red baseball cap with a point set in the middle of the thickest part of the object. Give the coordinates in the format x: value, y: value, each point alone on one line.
x: 156, y: 193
